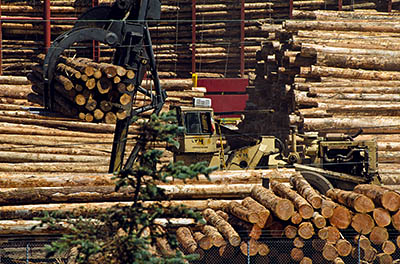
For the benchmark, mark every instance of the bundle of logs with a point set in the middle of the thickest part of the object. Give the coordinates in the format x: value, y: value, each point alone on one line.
x: 37, y: 143
x: 217, y: 32
x: 289, y: 224
x: 330, y: 71
x: 100, y: 92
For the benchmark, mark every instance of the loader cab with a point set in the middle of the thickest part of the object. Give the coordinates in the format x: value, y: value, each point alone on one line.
x: 198, y: 140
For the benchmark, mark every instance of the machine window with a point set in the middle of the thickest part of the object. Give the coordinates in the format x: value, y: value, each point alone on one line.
x: 198, y: 123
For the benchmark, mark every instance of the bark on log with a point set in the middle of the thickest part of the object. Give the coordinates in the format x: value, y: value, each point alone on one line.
x: 318, y: 220
x: 216, y: 237
x: 262, y: 212
x: 384, y: 197
x: 242, y: 212
x: 282, y: 208
x: 305, y: 189
x: 296, y: 218
x: 186, y: 240
x: 202, y: 240
x: 223, y: 226
x: 304, y: 208
x: 359, y: 202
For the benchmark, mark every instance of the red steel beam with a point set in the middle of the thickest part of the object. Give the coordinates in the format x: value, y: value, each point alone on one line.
x: 242, y: 18
x: 95, y: 44
x: 1, y: 44
x: 340, y: 5
x: 389, y: 6
x: 193, y: 36
x: 291, y: 9
x: 47, y: 24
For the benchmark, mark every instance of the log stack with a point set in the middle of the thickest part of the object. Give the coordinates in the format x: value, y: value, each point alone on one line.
x: 217, y: 32
x: 101, y: 92
x: 272, y: 225
x: 329, y: 71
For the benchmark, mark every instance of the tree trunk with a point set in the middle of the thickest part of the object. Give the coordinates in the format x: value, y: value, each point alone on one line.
x: 202, y: 240
x: 378, y: 235
x: 290, y: 231
x: 329, y: 252
x: 305, y: 230
x: 362, y: 223
x: 242, y: 212
x: 343, y: 247
x: 216, y: 237
x: 341, y: 217
x: 381, y: 216
x: 384, y: 258
x: 304, y: 208
x: 388, y: 247
x: 305, y: 189
x: 282, y: 208
x: 359, y: 202
x: 318, y: 220
x: 223, y: 226
x: 296, y: 254
x: 262, y: 212
x: 384, y: 197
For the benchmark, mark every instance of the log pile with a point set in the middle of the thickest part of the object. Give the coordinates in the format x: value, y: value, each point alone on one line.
x: 101, y: 92
x: 329, y: 71
x: 217, y: 32
x: 36, y: 143
x: 328, y: 233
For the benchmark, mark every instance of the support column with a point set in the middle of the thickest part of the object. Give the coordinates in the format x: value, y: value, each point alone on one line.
x: 193, y: 36
x: 47, y: 25
x: 242, y: 39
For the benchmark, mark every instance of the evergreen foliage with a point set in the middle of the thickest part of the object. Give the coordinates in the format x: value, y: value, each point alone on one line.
x: 128, y: 234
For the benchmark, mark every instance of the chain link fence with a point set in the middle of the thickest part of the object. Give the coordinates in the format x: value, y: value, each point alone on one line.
x: 307, y: 251
x: 26, y: 251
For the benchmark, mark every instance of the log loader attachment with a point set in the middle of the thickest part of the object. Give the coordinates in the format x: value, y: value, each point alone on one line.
x: 124, y: 27
x: 336, y: 160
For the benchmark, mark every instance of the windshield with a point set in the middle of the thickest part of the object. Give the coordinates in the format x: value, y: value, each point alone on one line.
x: 198, y: 123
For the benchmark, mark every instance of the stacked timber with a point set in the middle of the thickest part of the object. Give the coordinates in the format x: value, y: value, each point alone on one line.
x: 217, y: 32
x: 35, y: 143
x: 101, y: 92
x: 334, y: 72
x: 289, y: 224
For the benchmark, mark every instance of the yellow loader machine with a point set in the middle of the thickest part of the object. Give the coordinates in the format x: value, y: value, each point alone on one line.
x: 335, y: 160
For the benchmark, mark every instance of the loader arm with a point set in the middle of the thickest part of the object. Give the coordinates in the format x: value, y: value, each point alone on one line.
x: 124, y: 27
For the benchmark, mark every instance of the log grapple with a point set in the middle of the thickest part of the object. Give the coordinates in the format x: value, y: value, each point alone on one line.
x: 124, y: 27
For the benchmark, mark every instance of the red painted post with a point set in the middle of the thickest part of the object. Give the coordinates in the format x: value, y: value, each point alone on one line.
x: 47, y: 24
x: 340, y: 5
x: 242, y: 18
x: 389, y: 6
x: 95, y: 44
x: 291, y: 9
x: 193, y: 36
x: 1, y: 44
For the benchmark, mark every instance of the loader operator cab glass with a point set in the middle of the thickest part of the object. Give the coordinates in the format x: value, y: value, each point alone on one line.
x: 198, y: 123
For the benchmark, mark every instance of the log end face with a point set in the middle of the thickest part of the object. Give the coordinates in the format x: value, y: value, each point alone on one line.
x: 391, y: 201
x: 363, y: 204
x: 284, y: 209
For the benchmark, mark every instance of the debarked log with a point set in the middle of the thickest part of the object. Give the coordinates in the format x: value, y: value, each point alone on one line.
x: 9, y: 196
